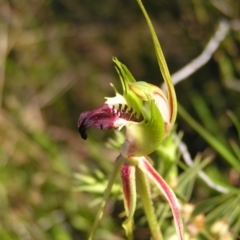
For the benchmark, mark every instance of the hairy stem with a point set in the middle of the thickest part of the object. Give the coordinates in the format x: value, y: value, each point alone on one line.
x: 144, y: 192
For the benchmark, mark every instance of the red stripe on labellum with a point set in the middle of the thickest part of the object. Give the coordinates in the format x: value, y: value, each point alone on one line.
x: 168, y: 193
x: 163, y: 184
x: 125, y: 174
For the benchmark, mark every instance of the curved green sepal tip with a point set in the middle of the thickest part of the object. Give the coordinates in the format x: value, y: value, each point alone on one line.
x: 163, y: 66
x: 126, y: 77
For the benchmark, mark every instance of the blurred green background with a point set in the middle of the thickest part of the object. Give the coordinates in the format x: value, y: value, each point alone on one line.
x: 55, y: 62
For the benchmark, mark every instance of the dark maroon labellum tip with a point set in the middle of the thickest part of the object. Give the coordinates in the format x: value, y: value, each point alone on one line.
x: 102, y: 117
x: 83, y: 133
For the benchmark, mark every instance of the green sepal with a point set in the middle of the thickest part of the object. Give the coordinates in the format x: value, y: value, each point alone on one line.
x: 129, y: 98
x: 163, y: 66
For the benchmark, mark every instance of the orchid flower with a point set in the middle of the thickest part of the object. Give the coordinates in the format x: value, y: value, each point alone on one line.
x: 148, y: 116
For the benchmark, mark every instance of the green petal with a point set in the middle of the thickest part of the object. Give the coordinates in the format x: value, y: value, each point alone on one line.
x: 145, y: 137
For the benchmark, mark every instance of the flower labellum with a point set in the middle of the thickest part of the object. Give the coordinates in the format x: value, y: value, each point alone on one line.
x: 105, y: 117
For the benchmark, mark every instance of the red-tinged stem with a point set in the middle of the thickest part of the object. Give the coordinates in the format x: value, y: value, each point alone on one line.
x: 144, y: 192
x: 147, y: 168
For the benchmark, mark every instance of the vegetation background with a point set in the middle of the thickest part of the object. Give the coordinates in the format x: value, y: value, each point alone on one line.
x: 55, y: 62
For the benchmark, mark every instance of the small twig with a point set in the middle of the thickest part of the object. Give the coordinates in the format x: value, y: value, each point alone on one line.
x: 188, y: 160
x: 205, y: 56
x: 233, y: 84
x: 188, y: 70
x: 3, y: 55
x: 60, y: 84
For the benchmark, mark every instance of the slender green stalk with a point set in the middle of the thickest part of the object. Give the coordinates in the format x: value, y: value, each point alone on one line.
x: 218, y: 146
x: 144, y: 192
x: 128, y: 227
x: 235, y: 121
x: 162, y: 65
x: 107, y: 193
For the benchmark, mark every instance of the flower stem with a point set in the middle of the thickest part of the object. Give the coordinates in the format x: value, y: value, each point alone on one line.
x: 107, y: 193
x: 144, y: 192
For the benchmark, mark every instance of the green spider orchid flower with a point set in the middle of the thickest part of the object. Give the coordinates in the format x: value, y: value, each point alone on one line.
x: 142, y: 122
x: 148, y: 115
